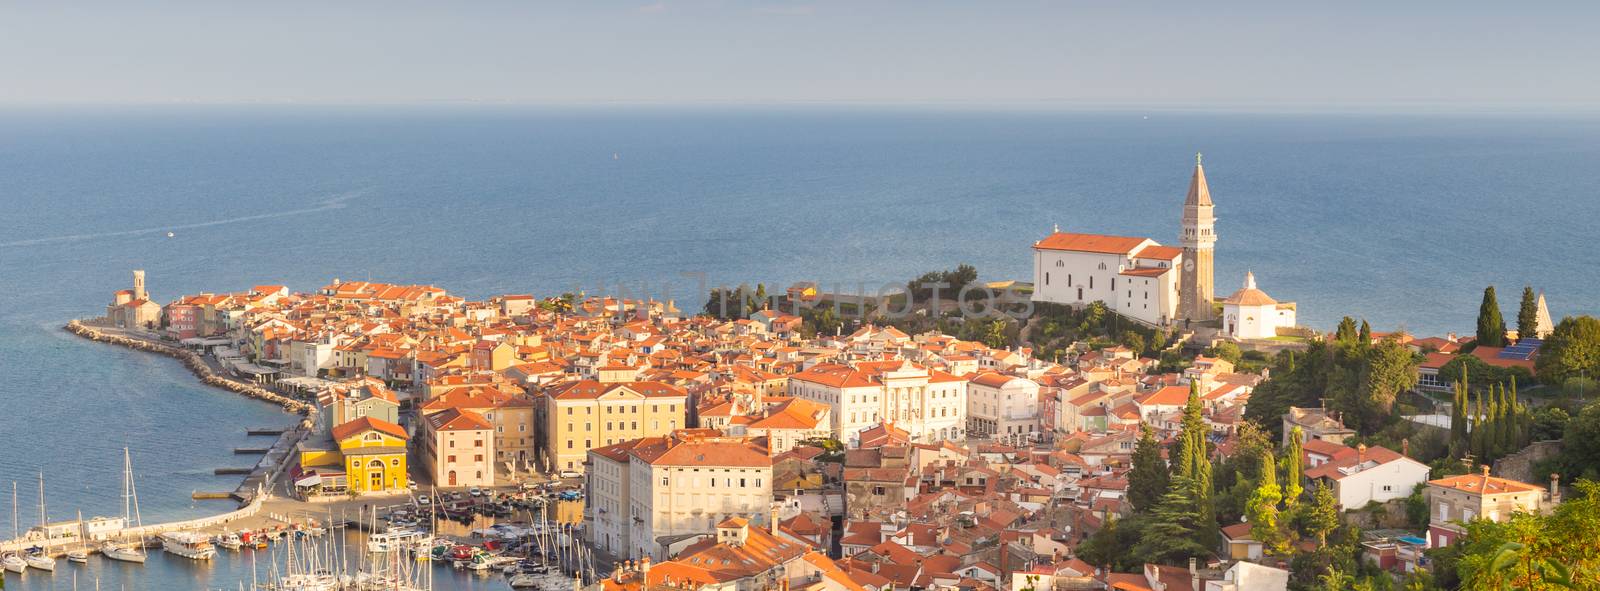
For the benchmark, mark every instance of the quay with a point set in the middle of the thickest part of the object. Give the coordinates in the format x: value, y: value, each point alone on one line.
x: 263, y: 431
x: 249, y: 451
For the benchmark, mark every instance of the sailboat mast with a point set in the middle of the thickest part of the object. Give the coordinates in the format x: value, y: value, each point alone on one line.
x: 41, y: 503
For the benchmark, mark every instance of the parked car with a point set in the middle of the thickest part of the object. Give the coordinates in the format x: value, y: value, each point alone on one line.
x: 475, y: 491
x: 571, y: 474
x: 423, y: 500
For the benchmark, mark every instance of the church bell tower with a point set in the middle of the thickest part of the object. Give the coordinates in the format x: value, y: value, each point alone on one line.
x: 1199, y: 239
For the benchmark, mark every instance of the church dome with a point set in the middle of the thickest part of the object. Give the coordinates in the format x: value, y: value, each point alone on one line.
x: 1249, y: 295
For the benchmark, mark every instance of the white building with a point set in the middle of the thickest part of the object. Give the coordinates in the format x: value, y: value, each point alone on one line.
x: 929, y: 404
x: 1370, y: 474
x: 648, y: 489
x: 1135, y: 277
x: 1002, y: 407
x: 1251, y: 314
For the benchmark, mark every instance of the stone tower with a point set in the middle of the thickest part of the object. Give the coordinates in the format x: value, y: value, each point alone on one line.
x: 1199, y: 238
x: 138, y: 285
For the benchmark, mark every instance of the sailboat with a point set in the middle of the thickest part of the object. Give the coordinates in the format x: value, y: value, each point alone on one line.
x: 130, y: 510
x: 80, y: 554
x: 10, y: 560
x: 37, y: 558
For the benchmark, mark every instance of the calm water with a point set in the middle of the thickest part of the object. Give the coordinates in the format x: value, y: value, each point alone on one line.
x: 1400, y: 219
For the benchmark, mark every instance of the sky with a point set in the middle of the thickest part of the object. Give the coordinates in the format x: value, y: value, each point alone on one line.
x: 1244, y: 53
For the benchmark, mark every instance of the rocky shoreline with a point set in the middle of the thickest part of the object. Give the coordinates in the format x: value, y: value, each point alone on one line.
x: 196, y: 365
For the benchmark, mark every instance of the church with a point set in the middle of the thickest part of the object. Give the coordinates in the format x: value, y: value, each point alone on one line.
x: 1157, y: 285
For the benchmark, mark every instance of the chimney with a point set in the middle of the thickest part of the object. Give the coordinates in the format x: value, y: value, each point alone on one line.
x: 1555, y: 488
x: 772, y: 522
x: 644, y: 572
x: 1361, y: 453
x: 1485, y: 470
x: 1005, y: 553
x: 1405, y: 447
x: 1194, y: 575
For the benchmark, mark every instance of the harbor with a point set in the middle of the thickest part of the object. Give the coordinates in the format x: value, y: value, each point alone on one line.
x: 480, y: 543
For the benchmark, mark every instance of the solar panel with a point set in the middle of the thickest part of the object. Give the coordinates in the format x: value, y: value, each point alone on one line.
x: 1523, y: 350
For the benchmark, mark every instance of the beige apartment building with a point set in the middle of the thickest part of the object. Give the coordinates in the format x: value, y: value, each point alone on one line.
x: 1454, y: 501
x: 586, y: 414
x: 648, y: 490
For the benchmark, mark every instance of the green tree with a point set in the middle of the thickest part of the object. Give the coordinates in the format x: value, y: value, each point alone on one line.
x: 994, y: 334
x: 1385, y: 370
x: 1572, y: 350
x: 1458, y: 420
x: 1536, y: 552
x: 1364, y: 336
x: 1149, y: 479
x: 1528, y: 314
x: 1491, y: 327
x: 1174, y: 532
x: 1322, y: 515
x: 1293, y: 469
x: 1581, y: 445
x: 1263, y: 509
x: 1346, y: 332
x: 1132, y: 340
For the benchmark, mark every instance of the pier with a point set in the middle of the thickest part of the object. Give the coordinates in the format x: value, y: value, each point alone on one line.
x: 196, y: 365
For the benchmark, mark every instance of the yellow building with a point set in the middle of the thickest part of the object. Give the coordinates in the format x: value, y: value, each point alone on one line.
x: 586, y: 414
x: 373, y: 453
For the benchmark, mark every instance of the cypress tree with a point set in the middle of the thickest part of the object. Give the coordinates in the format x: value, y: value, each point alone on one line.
x: 1149, y: 479
x: 1458, y: 419
x: 1263, y: 508
x: 1292, y: 470
x: 1528, y: 315
x: 1477, y: 427
x: 1364, y: 336
x: 1491, y: 326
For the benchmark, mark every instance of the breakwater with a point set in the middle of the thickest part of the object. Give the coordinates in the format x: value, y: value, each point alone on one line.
x: 196, y: 364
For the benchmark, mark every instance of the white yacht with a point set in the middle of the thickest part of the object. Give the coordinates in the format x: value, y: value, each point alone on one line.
x: 188, y: 545
x: 397, y: 539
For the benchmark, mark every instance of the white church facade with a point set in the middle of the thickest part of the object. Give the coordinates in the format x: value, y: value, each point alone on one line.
x: 1154, y: 284
x: 1134, y: 277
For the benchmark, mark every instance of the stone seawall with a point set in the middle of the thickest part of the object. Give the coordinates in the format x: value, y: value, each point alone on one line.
x: 196, y: 365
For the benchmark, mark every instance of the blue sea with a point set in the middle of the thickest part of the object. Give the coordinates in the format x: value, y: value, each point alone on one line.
x: 1401, y: 219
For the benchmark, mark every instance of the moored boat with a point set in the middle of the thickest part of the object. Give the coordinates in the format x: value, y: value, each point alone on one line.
x: 188, y: 545
x: 13, y: 563
x: 135, y: 554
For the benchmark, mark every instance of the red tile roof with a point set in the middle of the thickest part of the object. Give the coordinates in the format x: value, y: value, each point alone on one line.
x: 1090, y: 243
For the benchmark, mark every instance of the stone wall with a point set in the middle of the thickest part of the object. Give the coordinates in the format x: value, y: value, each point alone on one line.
x: 1519, y: 466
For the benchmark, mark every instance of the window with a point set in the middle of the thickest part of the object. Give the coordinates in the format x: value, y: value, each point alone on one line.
x: 569, y: 444
x: 450, y: 459
x: 1387, y: 488
x: 1047, y: 278
x: 394, y: 462
x: 477, y: 458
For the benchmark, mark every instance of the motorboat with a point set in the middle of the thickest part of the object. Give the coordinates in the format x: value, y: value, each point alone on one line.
x: 396, y: 539
x: 79, y: 556
x: 230, y: 541
x: 188, y: 545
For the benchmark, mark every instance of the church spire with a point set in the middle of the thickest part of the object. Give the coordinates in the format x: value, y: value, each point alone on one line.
x: 1199, y: 194
x: 1542, y: 323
